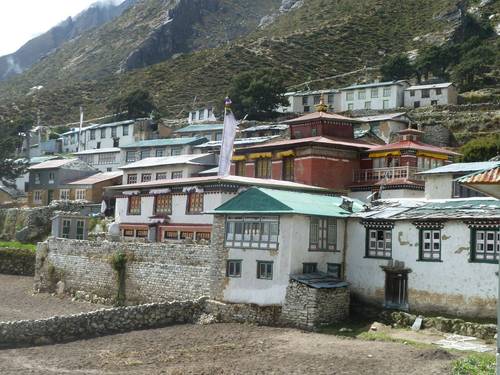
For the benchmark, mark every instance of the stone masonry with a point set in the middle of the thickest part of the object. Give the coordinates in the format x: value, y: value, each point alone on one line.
x: 17, y: 262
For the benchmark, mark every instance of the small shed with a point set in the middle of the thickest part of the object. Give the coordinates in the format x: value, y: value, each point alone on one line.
x: 70, y: 226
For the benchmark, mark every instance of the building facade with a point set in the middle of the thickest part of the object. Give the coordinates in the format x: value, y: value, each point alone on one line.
x: 104, y: 159
x: 212, y: 132
x: 427, y: 95
x: 306, y: 101
x: 201, y: 115
x: 377, y: 95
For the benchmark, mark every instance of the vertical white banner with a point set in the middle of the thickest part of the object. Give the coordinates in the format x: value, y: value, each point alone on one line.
x: 226, y: 149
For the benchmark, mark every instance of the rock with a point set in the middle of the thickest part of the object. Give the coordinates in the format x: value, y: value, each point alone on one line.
x: 60, y: 287
x: 417, y: 324
x: 345, y: 329
x: 376, y: 326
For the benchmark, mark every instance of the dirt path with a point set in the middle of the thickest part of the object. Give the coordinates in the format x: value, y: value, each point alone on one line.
x: 224, y: 349
x: 17, y: 301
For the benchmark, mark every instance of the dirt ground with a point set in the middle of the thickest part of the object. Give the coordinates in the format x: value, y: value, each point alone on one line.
x: 17, y: 301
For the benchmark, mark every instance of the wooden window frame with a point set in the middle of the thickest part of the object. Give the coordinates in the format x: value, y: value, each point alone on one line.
x: 431, y: 241
x: 309, y: 267
x: 288, y: 168
x: 80, y: 236
x: 240, y: 168
x: 320, y: 235
x: 338, y: 273
x: 252, y: 232
x: 265, y: 270
x: 263, y: 167
x: 237, y: 263
x: 63, y: 227
x: 161, y: 174
x: 481, y: 234
x: 375, y: 251
x: 166, y: 207
x: 193, y: 207
x: 134, y: 211
x: 133, y: 175
x: 146, y: 177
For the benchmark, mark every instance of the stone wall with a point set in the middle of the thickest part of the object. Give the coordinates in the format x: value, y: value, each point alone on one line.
x: 243, y: 313
x: 308, y: 307
x: 17, y: 262
x: 153, y: 272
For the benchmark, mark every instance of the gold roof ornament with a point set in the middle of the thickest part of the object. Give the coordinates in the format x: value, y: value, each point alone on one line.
x: 321, y: 107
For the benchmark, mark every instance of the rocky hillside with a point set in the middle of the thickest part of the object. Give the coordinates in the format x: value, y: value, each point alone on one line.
x: 179, y: 49
x: 46, y: 43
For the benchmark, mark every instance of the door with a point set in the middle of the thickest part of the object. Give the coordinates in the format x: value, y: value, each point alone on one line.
x: 50, y: 196
x: 396, y: 290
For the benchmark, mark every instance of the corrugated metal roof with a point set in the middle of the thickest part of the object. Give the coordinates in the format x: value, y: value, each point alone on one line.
x: 97, y: 151
x: 167, y: 142
x: 383, y: 117
x: 312, y: 92
x: 373, y: 84
x: 489, y: 175
x: 431, y: 86
x: 41, y: 159
x: 239, y: 141
x: 52, y: 164
x: 96, y: 178
x: 200, y: 128
x: 319, y: 280
x: 462, y: 167
x: 199, y: 159
x: 319, y: 140
x: 266, y: 127
x: 271, y: 201
x: 414, y: 145
x: 318, y: 116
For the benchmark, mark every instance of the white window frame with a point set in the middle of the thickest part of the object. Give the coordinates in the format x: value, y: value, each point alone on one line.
x: 64, y: 194
x: 81, y: 194
x: 379, y: 248
x: 252, y: 232
x: 430, y: 248
x: 37, y: 196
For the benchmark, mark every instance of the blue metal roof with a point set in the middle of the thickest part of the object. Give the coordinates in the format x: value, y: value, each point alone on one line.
x: 200, y: 128
x: 167, y: 142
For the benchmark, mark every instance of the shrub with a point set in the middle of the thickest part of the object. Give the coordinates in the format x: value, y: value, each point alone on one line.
x: 481, y: 149
x: 475, y: 364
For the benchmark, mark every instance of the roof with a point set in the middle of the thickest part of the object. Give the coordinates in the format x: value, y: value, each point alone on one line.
x: 431, y: 86
x: 50, y: 164
x: 167, y: 142
x: 97, y: 151
x: 415, y: 145
x: 239, y: 141
x: 116, y: 123
x: 266, y: 127
x: 200, y: 128
x: 486, y: 181
x: 194, y: 159
x: 311, y: 92
x: 316, y: 140
x: 96, y: 178
x: 374, y: 84
x: 211, y: 171
x: 41, y: 159
x: 383, y: 117
x: 462, y: 167
x: 270, y: 201
x: 236, y: 180
x: 319, y: 280
x: 11, y: 191
x: 318, y: 116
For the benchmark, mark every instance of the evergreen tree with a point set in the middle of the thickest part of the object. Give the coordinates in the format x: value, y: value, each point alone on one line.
x: 137, y: 103
x: 397, y: 67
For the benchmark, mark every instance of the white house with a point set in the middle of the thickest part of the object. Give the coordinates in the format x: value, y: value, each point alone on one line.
x: 305, y: 101
x: 271, y: 235
x: 433, y: 94
x: 104, y: 159
x: 200, y: 115
x: 427, y: 256
x: 212, y: 132
x: 377, y: 95
x: 382, y: 128
x: 440, y: 183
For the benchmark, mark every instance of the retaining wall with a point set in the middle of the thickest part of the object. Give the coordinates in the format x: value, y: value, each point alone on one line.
x: 17, y: 262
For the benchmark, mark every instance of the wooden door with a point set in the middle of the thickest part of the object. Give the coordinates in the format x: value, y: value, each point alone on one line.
x: 396, y: 290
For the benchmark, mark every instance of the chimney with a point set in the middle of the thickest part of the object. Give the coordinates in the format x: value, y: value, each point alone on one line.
x: 346, y: 204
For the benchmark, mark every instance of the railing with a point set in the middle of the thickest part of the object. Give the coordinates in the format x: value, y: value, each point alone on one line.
x: 378, y: 174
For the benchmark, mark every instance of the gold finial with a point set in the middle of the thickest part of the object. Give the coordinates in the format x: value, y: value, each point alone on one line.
x: 321, y: 107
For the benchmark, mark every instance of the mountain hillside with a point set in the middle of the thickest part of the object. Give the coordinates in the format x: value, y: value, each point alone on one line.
x: 44, y: 44
x: 183, y: 49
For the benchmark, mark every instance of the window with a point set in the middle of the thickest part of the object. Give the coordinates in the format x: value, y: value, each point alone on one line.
x: 263, y: 168
x: 176, y: 151
x: 334, y: 269
x: 387, y: 92
x: 161, y: 176
x: 350, y: 106
x: 80, y: 225
x: 92, y: 134
x: 349, y: 95
x: 203, y: 236
x: 141, y: 233
x: 201, y: 114
x: 103, y: 133
x: 425, y: 93
x: 159, y: 152
x: 106, y: 158
x: 485, y: 245
x: 125, y: 129
x: 187, y: 235
x: 361, y: 94
x: 66, y: 228
x: 309, y: 267
x: 434, y: 102
x: 113, y: 132
x: 240, y: 168
x: 379, y: 243
x: 52, y: 177
x: 330, y: 98
x: 416, y: 104
x: 193, y: 116
x: 438, y: 92
x: 176, y: 174
x: 322, y: 234
x: 461, y: 191
x: 163, y: 204
x: 171, y: 235
x: 64, y: 194
x: 316, y: 99
x: 385, y: 104
x: 80, y: 194
x: 307, y: 108
x: 37, y: 196
x: 130, y: 157
x: 145, y: 154
x: 305, y: 100
x: 132, y: 179
x: 252, y: 232
x: 145, y: 177
x: 134, y: 205
x: 368, y: 105
x: 288, y: 164
x: 233, y: 268
x: 37, y: 178
x: 264, y: 270
x: 210, y: 113
x: 412, y: 92
x: 430, y: 244
x: 374, y: 93
x: 194, y: 203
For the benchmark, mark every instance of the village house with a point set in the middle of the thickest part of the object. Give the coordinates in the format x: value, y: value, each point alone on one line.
x: 377, y: 95
x: 214, y: 146
x: 266, y: 131
x: 306, y: 101
x: 201, y: 115
x: 272, y: 234
x: 434, y: 257
x: 391, y: 171
x: 160, y: 147
x: 166, y: 210
x: 322, y: 152
x: 212, y: 132
x: 47, y: 178
x: 104, y: 159
x: 433, y: 94
x: 381, y: 129
x: 441, y: 182
x: 91, y: 188
x: 485, y: 182
x: 22, y: 181
x: 167, y: 167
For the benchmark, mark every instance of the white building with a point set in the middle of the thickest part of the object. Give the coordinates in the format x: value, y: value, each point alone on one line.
x: 440, y: 183
x: 377, y: 95
x: 427, y: 256
x: 201, y: 115
x: 273, y: 234
x: 434, y: 94
x: 305, y: 101
x: 383, y: 127
x: 104, y: 159
x: 212, y: 132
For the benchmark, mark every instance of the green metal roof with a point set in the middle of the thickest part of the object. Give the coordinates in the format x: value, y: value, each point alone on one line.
x: 272, y: 201
x: 201, y: 128
x: 167, y: 142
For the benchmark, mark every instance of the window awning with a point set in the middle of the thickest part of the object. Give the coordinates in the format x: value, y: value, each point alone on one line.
x: 384, y: 154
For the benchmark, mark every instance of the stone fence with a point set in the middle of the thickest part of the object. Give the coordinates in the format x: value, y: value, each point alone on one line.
x: 17, y: 262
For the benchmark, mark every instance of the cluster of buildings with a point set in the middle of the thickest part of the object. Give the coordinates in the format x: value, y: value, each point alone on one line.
x: 362, y: 200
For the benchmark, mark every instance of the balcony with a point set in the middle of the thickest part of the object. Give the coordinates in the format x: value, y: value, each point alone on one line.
x: 378, y: 174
